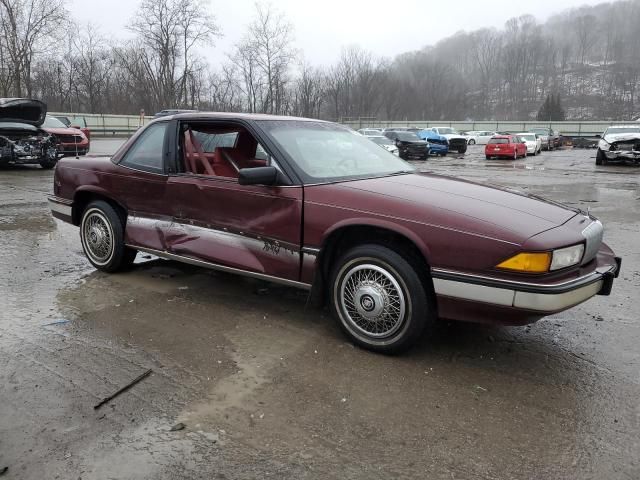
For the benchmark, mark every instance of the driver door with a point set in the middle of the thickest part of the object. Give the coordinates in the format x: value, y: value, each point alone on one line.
x: 252, y: 228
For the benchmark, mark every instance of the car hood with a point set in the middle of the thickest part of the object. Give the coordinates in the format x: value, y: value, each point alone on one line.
x: 22, y: 110
x: 452, y: 203
x: 63, y: 131
x: 617, y: 137
x: 431, y: 136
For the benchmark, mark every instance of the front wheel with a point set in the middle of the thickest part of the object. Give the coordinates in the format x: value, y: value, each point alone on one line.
x: 601, y: 159
x: 472, y: 142
x: 48, y: 164
x: 102, y: 238
x: 380, y: 300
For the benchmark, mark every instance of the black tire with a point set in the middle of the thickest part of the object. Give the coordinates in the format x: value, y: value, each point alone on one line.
x: 415, y: 307
x: 105, y: 223
x: 601, y: 159
x: 488, y: 157
x: 48, y: 164
x: 472, y: 141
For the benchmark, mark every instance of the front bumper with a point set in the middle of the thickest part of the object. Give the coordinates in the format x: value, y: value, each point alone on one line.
x: 438, y: 148
x: 61, y: 208
x: 622, y: 155
x: 538, y: 298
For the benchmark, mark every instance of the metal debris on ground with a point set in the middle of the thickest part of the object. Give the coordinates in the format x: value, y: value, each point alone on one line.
x: 57, y: 322
x: 177, y: 427
x: 123, y: 389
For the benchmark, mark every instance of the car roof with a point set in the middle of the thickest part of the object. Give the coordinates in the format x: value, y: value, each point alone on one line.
x: 232, y: 116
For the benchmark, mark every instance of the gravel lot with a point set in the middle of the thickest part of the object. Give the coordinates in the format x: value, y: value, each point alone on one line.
x: 267, y: 388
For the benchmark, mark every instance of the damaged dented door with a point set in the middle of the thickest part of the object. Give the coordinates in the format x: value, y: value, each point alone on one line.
x: 250, y: 227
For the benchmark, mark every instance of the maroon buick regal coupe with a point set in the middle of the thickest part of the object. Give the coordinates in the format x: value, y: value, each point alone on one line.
x: 314, y: 205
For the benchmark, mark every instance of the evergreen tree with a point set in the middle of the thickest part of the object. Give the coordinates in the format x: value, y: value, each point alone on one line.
x: 551, y: 109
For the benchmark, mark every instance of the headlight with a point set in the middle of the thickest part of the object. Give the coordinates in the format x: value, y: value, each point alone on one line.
x: 603, y: 145
x: 566, y: 257
x: 541, y: 262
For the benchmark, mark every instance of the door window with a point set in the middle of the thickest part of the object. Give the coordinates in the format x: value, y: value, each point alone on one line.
x: 220, y: 150
x: 146, y: 152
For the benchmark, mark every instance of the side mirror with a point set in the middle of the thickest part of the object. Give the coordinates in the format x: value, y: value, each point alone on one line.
x: 258, y: 176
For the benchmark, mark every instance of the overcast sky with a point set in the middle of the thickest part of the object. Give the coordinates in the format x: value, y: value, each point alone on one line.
x: 323, y: 27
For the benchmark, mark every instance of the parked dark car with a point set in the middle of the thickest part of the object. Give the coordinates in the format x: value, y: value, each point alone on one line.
x: 547, y: 136
x: 22, y: 140
x: 505, y: 146
x: 310, y: 204
x: 409, y: 145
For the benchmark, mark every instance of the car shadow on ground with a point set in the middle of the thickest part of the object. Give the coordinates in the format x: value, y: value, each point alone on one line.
x: 159, y: 293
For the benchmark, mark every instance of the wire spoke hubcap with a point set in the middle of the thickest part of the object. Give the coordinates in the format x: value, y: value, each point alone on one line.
x: 98, y: 237
x: 372, y: 301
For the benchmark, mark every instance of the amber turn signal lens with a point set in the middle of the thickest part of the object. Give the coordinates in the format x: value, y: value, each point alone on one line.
x: 528, y: 262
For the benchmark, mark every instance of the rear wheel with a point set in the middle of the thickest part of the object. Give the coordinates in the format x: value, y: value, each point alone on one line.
x: 472, y: 142
x: 380, y: 300
x: 488, y: 157
x: 102, y: 238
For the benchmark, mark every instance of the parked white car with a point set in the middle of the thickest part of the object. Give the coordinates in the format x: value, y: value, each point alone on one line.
x: 479, y: 137
x: 532, y: 141
x: 370, y: 132
x: 385, y: 143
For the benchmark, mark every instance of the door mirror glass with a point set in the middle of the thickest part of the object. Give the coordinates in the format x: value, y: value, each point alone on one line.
x: 258, y: 176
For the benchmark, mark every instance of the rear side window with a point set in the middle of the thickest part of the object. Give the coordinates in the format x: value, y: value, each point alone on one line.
x: 499, y: 140
x: 146, y: 153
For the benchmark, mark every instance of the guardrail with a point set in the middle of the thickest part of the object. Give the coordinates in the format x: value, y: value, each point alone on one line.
x: 125, y: 125
x: 570, y: 128
x: 107, y: 125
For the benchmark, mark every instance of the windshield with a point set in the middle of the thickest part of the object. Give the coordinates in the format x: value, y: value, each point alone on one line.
x: 529, y: 138
x: 51, y: 122
x: 541, y: 131
x: 381, y: 140
x: 499, y: 140
x: 324, y: 152
x: 448, y: 131
x: 408, y: 137
x: 622, y: 130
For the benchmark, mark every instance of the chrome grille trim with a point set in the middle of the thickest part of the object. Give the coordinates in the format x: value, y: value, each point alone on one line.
x: 593, y: 235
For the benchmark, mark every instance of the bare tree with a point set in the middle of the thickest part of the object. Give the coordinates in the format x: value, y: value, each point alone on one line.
x: 269, y: 40
x: 167, y: 33
x: 27, y: 28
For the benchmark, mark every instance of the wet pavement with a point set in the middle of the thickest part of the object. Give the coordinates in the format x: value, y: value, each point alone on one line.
x: 267, y: 388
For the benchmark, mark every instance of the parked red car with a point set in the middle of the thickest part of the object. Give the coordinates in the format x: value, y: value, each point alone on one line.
x: 71, y: 141
x: 505, y: 146
x: 309, y: 204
